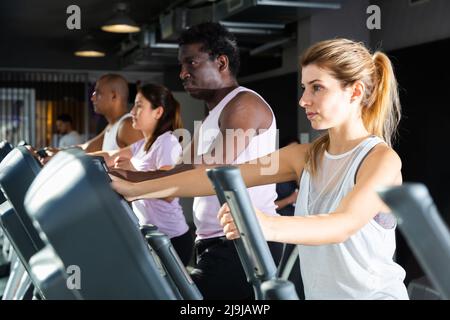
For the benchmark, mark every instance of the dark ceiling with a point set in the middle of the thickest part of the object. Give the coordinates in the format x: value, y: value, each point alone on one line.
x: 34, y: 33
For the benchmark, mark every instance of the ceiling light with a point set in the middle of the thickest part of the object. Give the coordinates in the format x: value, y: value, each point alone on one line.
x: 121, y: 22
x: 90, y: 49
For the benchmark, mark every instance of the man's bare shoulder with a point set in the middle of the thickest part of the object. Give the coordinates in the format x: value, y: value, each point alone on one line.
x: 126, y: 134
x: 245, y: 106
x: 126, y: 125
x: 249, y: 100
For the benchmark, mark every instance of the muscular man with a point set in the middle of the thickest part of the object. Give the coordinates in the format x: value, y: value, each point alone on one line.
x: 240, y: 127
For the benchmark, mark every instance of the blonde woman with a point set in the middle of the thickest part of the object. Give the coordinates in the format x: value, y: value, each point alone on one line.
x: 345, y: 233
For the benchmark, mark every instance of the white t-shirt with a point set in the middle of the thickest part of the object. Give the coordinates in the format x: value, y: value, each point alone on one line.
x: 362, y: 267
x: 70, y: 139
x: 167, y: 216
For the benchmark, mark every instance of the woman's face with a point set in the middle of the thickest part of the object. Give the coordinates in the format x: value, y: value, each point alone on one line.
x: 326, y: 103
x: 145, y: 118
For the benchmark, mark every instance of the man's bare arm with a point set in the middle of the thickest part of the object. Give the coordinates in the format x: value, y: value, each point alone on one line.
x: 246, y: 113
x: 95, y: 144
x: 127, y: 135
x: 138, y: 176
x: 242, y: 120
x: 195, y: 183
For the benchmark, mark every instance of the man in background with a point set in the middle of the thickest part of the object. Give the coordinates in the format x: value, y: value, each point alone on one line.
x: 64, y: 127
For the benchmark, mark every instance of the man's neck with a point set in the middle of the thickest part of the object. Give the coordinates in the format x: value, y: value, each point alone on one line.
x: 114, y: 117
x: 219, y: 94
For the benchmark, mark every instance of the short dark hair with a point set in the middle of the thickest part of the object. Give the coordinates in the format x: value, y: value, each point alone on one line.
x: 216, y: 40
x: 64, y: 117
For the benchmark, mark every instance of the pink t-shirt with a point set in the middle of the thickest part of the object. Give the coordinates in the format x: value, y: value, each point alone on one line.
x: 168, y: 217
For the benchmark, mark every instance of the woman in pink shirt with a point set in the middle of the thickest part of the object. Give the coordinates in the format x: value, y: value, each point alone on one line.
x: 156, y: 114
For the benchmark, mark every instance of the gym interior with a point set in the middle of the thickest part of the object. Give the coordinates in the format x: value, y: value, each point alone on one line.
x: 66, y: 234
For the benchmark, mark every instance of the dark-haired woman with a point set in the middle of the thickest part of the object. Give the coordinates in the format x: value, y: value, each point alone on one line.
x: 157, y: 114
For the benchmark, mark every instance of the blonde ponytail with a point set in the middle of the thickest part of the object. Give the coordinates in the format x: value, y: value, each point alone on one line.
x: 315, y: 152
x: 382, y: 114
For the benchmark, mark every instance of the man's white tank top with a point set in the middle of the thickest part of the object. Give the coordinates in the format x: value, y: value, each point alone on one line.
x: 362, y: 267
x: 263, y: 197
x: 110, y: 137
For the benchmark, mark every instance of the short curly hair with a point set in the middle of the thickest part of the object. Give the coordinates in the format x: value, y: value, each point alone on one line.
x: 216, y: 40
